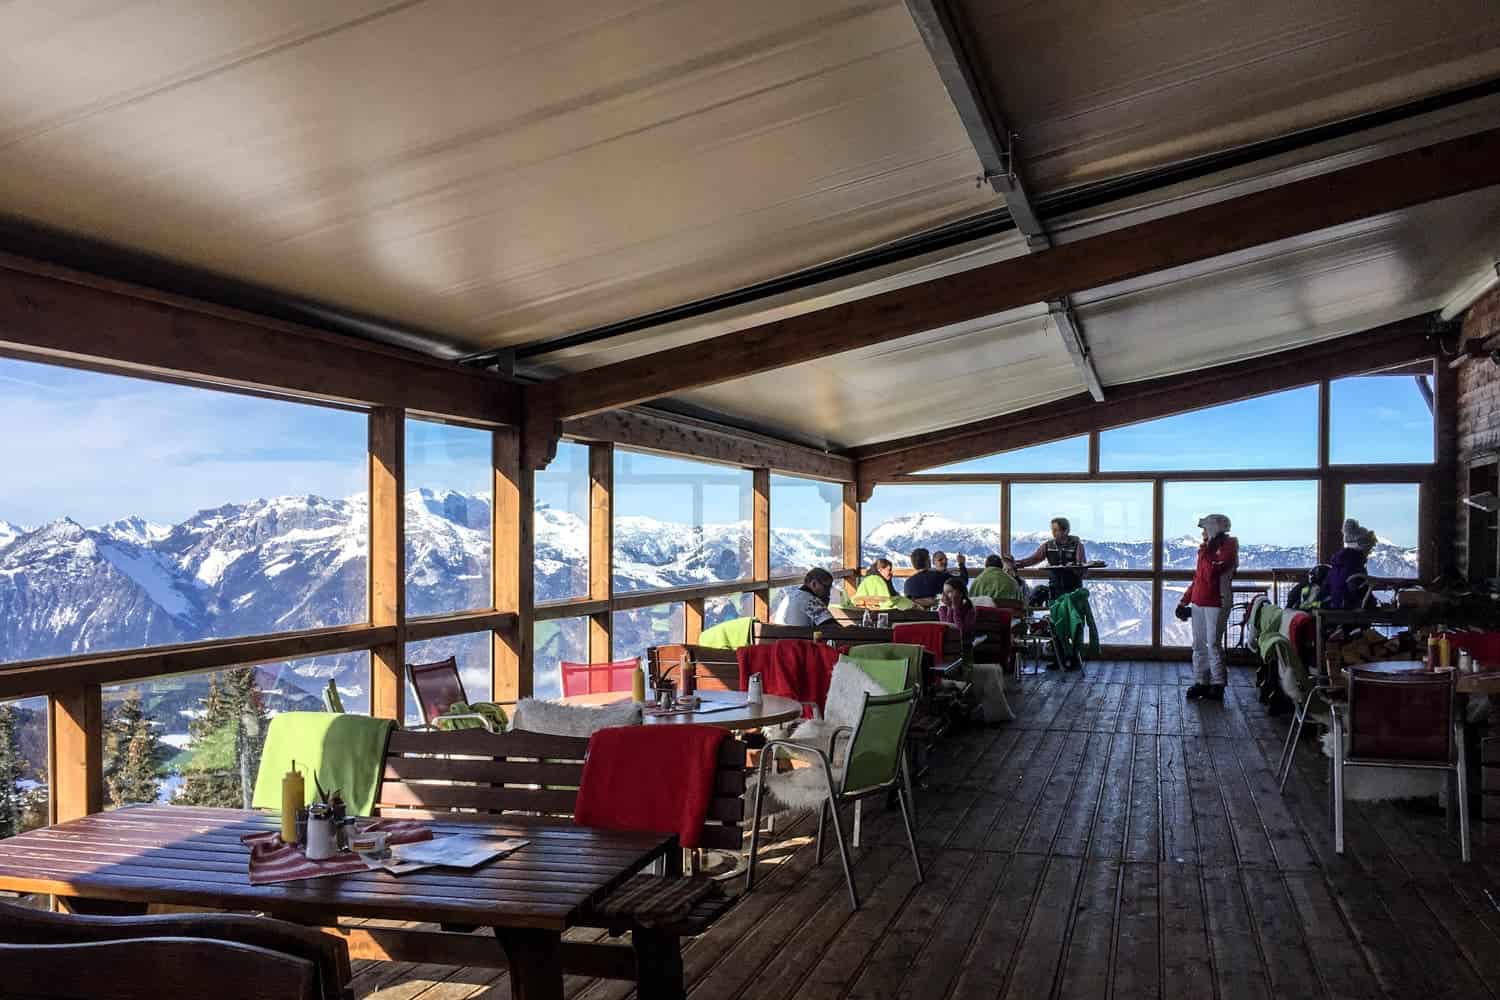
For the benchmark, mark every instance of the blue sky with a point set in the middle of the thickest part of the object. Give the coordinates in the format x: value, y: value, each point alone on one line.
x: 102, y: 447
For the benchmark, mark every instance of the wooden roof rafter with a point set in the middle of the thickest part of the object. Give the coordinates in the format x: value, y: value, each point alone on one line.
x: 1372, y: 350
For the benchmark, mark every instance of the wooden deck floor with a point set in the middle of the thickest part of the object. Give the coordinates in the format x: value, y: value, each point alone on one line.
x: 1117, y: 841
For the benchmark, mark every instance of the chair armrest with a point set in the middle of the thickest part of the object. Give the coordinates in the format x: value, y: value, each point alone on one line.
x: 793, y: 747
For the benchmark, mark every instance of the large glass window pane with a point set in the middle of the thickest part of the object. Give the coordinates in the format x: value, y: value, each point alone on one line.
x: 946, y: 518
x: 1112, y: 519
x: 1180, y: 633
x: 1279, y: 431
x: 717, y: 610
x: 472, y: 652
x: 448, y: 486
x: 633, y: 632
x: 562, y: 525
x: 139, y: 513
x: 1276, y: 522
x: 807, y: 525
x: 678, y: 522
x: 195, y: 739
x: 1122, y: 609
x: 1068, y: 455
x: 23, y: 765
x: 556, y: 641
x: 1392, y: 511
x: 1377, y: 419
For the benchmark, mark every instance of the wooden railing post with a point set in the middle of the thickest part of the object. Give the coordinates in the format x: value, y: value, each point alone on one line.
x: 75, y: 752
x: 513, y: 530
x: 849, y: 512
x: 601, y: 546
x: 387, y: 583
x: 760, y: 545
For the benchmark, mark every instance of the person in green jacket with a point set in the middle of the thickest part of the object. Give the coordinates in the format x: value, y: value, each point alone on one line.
x: 993, y: 582
x: 877, y: 582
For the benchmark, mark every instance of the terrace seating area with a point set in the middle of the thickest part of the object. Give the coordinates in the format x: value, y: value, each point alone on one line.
x: 780, y: 500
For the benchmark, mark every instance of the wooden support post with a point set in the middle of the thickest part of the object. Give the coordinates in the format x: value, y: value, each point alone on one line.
x: 852, y: 556
x: 1005, y: 518
x: 1442, y: 552
x: 387, y: 586
x: 760, y: 533
x: 75, y: 752
x: 514, y: 529
x: 692, y: 619
x: 601, y: 545
x: 1157, y: 531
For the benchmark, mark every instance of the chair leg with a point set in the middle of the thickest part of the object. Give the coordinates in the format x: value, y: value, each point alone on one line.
x: 760, y: 795
x: 859, y: 813
x: 822, y: 819
x: 911, y: 837
x: 1338, y: 783
x: 1289, y: 748
x: 1463, y: 791
x: 911, y: 798
x: 838, y: 835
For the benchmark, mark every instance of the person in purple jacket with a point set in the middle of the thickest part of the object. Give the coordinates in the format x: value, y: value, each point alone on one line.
x: 1347, y: 583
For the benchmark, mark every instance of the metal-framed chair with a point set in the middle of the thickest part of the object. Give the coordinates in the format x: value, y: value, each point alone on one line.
x: 1409, y: 721
x: 438, y: 687
x: 873, y: 764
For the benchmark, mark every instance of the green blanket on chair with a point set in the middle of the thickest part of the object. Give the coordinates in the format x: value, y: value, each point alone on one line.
x: 345, y: 752
x: 727, y: 635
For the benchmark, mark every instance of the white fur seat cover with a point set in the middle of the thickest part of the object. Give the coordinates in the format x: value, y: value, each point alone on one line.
x: 533, y: 715
x: 805, y: 787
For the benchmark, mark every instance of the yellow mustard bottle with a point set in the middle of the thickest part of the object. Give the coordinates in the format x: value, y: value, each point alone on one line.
x: 293, y: 795
x: 1445, y: 651
x: 638, y: 685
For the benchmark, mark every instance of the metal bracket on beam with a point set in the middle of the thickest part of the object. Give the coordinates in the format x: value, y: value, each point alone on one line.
x: 1078, y: 349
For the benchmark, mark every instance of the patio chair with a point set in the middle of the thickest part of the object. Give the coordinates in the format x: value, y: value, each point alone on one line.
x: 598, y: 678
x: 439, y: 686
x: 197, y: 954
x: 1408, y: 721
x: 332, y: 700
x: 872, y: 765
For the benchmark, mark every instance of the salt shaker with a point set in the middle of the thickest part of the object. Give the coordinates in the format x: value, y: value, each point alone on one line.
x: 755, y: 694
x: 1465, y: 662
x: 321, y: 842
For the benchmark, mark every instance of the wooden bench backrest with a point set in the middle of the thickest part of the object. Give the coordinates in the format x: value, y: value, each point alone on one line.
x: 525, y: 775
x: 763, y: 632
x: 715, y: 669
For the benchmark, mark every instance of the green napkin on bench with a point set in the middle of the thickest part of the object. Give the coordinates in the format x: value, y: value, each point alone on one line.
x: 346, y: 752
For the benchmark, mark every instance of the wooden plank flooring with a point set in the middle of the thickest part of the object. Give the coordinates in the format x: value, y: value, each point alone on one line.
x: 1113, y: 841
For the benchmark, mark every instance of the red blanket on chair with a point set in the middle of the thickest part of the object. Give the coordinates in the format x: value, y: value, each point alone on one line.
x: 929, y: 635
x: 656, y: 779
x: 791, y: 668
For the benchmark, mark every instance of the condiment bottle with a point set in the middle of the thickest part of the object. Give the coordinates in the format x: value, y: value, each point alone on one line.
x: 1432, y: 652
x: 293, y: 794
x: 1445, y: 652
x: 638, y: 685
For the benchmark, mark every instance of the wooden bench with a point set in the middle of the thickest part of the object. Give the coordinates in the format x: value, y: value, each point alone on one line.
x: 762, y: 632
x: 524, y: 779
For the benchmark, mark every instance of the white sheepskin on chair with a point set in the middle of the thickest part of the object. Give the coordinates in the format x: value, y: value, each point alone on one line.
x: 1379, y: 784
x: 533, y: 715
x: 805, y: 787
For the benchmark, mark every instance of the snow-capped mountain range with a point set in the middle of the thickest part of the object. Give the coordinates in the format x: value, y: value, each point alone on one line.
x: 300, y: 562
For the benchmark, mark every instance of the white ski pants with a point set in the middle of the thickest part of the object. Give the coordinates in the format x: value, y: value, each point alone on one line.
x: 1208, y: 645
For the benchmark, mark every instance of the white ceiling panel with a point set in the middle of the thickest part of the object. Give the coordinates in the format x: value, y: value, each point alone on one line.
x: 1097, y: 90
x: 503, y: 172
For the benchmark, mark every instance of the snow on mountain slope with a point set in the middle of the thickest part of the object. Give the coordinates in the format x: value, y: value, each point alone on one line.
x: 9, y: 533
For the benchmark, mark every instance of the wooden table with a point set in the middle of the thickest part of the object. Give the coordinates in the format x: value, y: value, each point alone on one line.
x: 192, y: 856
x: 1483, y: 682
x: 772, y: 710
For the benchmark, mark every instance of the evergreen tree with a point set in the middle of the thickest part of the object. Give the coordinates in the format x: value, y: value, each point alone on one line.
x: 12, y: 767
x: 132, y: 754
x: 227, y: 741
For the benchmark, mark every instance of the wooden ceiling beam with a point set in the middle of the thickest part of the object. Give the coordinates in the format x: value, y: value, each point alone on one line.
x: 1379, y: 348
x: 1340, y: 196
x: 50, y: 312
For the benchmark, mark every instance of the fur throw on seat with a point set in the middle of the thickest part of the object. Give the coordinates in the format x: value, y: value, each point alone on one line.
x: 1379, y: 784
x: 533, y: 715
x: 806, y: 787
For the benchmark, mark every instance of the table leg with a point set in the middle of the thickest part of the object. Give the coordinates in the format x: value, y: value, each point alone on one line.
x: 535, y: 958
x: 658, y: 961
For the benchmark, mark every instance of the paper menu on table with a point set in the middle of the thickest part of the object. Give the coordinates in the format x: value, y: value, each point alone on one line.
x: 458, y: 851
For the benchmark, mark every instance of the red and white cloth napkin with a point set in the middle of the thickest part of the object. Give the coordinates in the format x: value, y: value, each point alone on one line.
x: 273, y: 861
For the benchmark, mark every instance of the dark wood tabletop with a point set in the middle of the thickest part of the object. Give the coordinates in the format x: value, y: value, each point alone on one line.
x: 193, y: 856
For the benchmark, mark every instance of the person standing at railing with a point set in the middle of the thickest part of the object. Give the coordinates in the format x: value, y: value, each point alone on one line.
x: 1206, y: 603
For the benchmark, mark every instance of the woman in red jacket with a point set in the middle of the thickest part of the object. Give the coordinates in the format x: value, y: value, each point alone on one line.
x: 1206, y: 602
